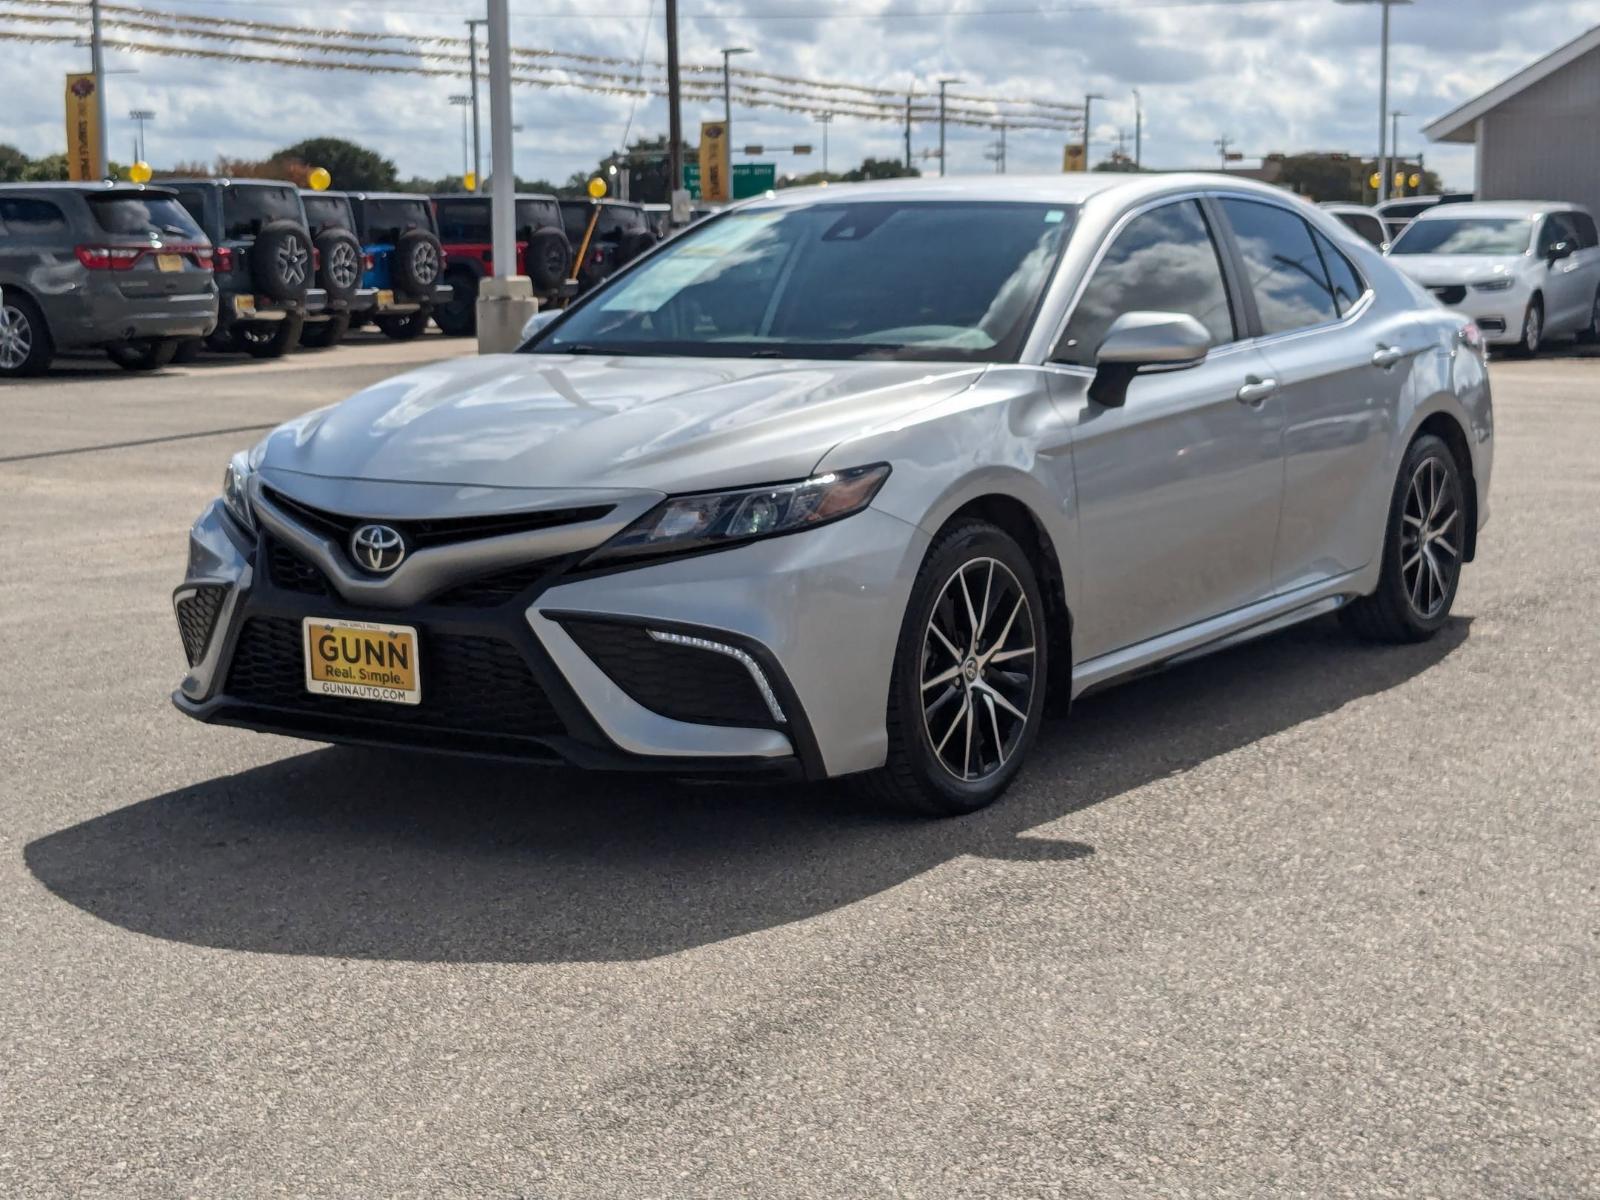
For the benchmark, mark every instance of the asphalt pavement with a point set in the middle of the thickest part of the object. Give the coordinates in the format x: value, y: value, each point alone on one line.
x: 1308, y: 918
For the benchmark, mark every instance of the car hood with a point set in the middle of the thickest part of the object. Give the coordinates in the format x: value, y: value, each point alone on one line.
x: 664, y: 424
x: 1444, y: 270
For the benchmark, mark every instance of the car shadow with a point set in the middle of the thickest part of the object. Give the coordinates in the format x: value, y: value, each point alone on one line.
x: 365, y: 854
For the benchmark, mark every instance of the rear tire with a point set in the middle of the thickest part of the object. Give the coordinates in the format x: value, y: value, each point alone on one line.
x: 189, y: 350
x: 1590, y: 334
x: 26, y: 347
x: 324, y: 335
x: 403, y: 329
x: 967, y: 691
x: 263, y: 339
x: 144, y: 354
x: 1422, y: 550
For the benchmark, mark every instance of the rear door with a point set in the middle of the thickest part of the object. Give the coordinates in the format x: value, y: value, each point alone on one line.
x: 1589, y: 264
x: 173, y: 254
x: 1569, y: 283
x: 1340, y: 365
x: 1179, y: 488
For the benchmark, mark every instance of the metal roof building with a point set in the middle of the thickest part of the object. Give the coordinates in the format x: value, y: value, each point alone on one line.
x: 1538, y: 133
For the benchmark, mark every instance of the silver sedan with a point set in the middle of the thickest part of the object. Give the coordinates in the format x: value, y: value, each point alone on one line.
x: 849, y: 481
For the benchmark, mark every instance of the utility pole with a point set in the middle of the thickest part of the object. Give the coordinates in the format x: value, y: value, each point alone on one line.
x: 464, y: 103
x: 97, y: 63
x: 1002, y: 147
x: 909, y: 94
x: 505, y: 300
x: 727, y: 91
x: 1394, y: 140
x: 1222, y: 144
x: 1088, y: 125
x: 943, y: 84
x: 674, y: 107
x: 1138, y: 131
x: 472, y: 53
x: 1383, y: 94
x: 825, y: 119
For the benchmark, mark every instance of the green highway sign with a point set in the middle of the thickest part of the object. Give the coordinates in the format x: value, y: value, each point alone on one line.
x: 749, y: 179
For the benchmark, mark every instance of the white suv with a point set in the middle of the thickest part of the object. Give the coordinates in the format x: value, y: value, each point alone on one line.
x: 1523, y: 270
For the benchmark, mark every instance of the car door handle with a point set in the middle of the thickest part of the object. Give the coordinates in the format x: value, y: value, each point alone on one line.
x: 1255, y: 391
x: 1387, y: 356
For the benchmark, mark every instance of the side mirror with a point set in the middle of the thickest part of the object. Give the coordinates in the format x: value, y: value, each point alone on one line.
x: 1559, y: 251
x: 1137, y: 341
x: 538, y: 321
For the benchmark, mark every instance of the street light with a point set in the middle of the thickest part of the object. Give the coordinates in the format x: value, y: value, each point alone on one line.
x: 1138, y: 131
x: 1088, y: 125
x: 825, y: 119
x: 1394, y: 136
x: 727, y: 90
x: 472, y: 54
x: 141, y: 115
x: 943, y: 83
x: 464, y: 102
x: 1383, y: 95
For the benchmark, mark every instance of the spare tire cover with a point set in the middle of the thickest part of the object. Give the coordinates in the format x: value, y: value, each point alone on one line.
x: 417, y: 264
x: 341, y: 269
x: 281, y: 260
x: 548, y: 258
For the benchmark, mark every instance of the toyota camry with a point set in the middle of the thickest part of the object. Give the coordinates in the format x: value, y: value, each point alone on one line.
x: 850, y: 481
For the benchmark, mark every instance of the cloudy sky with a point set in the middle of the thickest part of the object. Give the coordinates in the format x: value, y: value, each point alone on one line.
x: 1271, y: 74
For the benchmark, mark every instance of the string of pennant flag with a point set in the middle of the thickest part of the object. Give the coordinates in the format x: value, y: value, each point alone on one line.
x: 137, y: 29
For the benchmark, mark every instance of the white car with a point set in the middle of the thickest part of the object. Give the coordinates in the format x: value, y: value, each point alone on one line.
x: 1523, y: 270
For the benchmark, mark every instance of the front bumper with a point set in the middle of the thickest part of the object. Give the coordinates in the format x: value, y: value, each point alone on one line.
x: 1498, y: 314
x: 808, y: 622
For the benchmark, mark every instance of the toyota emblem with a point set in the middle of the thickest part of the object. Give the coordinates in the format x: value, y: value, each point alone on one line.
x: 377, y: 548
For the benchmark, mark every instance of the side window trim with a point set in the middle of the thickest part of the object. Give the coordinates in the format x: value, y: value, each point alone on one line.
x: 1236, y: 277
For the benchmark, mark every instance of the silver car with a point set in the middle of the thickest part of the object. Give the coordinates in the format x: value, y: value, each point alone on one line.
x: 848, y: 481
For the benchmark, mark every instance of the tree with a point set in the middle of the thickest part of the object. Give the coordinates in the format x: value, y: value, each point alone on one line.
x: 880, y: 168
x: 354, y: 168
x: 13, y: 163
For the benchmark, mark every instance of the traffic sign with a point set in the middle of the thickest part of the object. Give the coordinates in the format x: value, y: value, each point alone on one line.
x: 749, y: 179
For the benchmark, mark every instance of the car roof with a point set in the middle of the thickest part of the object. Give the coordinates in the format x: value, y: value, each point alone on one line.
x: 607, y: 202
x: 486, y: 198
x: 90, y: 188
x: 1073, y: 188
x: 218, y: 181
x: 1498, y: 208
x: 389, y: 196
x: 1348, y: 207
x: 312, y: 194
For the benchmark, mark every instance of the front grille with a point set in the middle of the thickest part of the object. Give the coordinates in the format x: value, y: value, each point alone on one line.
x: 339, y: 526
x: 681, y: 682
x: 197, y: 619
x: 470, y: 684
x: 295, y: 574
x: 1450, y: 295
x: 493, y: 590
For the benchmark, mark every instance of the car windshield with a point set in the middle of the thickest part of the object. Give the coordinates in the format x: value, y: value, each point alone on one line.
x: 386, y: 220
x: 1466, y: 235
x: 883, y: 279
x: 328, y: 212
x: 248, y: 207
x: 160, y: 216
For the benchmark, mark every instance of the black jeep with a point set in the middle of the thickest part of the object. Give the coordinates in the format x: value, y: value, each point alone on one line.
x: 264, y: 261
x: 340, y: 269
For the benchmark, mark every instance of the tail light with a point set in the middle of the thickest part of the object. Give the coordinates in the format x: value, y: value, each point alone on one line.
x: 444, y: 258
x: 202, y: 256
x: 598, y: 257
x: 108, y: 258
x: 368, y: 262
x: 222, y: 259
x: 316, y: 259
x: 1472, y: 336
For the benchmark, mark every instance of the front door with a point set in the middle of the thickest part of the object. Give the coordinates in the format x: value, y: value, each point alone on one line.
x: 1178, y: 490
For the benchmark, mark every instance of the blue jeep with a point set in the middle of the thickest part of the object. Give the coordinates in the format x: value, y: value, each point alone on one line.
x: 400, y: 238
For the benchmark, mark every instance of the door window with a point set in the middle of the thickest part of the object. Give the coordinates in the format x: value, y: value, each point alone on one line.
x: 464, y: 221
x: 1557, y: 228
x: 1164, y: 260
x: 1584, y: 224
x: 1285, y: 271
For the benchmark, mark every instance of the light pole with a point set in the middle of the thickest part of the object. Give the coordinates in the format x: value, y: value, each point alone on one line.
x: 1383, y: 95
x: 1138, y: 131
x: 97, y: 63
x: 1394, y: 138
x: 909, y: 94
x: 464, y: 103
x: 141, y: 115
x: 943, y: 84
x: 675, y: 186
x: 1088, y: 124
x: 727, y: 90
x: 472, y: 51
x: 825, y: 119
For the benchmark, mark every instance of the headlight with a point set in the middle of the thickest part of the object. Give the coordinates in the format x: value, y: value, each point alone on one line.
x: 723, y: 518
x: 1493, y: 285
x: 235, y: 495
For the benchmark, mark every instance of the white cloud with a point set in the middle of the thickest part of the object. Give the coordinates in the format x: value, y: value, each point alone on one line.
x: 1291, y: 75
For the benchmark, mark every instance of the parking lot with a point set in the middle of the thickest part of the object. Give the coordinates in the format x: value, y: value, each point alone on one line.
x: 1310, y: 917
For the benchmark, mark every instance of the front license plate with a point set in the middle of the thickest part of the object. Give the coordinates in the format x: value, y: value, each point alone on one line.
x: 245, y: 306
x: 385, y: 298
x: 169, y: 262
x: 362, y: 660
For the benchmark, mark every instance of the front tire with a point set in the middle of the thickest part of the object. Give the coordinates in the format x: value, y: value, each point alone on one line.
x: 1422, y: 550
x: 967, y: 691
x: 324, y: 335
x: 25, y: 345
x: 269, y: 339
x: 1590, y: 333
x: 403, y: 329
x: 1532, y: 330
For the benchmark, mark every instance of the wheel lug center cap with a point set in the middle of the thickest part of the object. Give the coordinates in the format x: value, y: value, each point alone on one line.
x: 970, y: 669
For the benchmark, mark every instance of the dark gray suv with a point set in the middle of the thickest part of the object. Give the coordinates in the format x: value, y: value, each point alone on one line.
x: 265, y: 261
x: 119, y: 267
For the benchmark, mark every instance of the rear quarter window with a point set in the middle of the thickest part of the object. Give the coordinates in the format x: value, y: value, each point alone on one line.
x: 389, y: 220
x: 139, y: 215
x: 21, y: 217
x: 463, y: 221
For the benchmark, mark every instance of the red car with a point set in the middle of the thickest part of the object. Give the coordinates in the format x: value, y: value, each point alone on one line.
x: 544, y: 254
